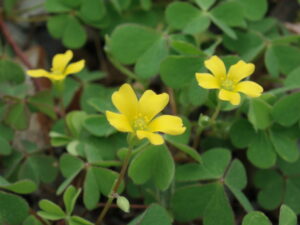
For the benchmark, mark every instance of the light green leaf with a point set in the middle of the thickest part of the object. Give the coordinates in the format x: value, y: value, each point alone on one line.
x: 205, y: 4
x: 287, y: 216
x: 256, y: 218
x: 155, y: 163
x: 233, y: 19
x: 259, y: 114
x: 70, y: 165
x: 70, y: 197
x: 254, y: 9
x: 186, y: 17
x: 186, y: 48
x: 75, y: 121
x: 74, y: 35
x: 31, y: 220
x: 56, y: 6
x: 50, y: 210
x: 91, y: 191
x: 93, y: 10
x: 129, y: 42
x: 286, y: 56
x: 248, y: 44
x: 20, y: 187
x: 105, y: 179
x: 148, y: 63
x: 154, y: 214
x: 76, y: 220
x: 271, y: 62
x: 293, y: 78
x: 215, y: 162
x: 98, y: 125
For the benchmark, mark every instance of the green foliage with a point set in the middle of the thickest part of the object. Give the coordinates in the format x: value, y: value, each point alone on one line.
x: 153, y: 164
x: 233, y: 164
x: 13, y: 209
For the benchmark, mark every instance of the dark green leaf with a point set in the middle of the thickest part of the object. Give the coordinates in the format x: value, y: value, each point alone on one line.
x: 241, y: 133
x: 98, y: 125
x: 178, y: 71
x: 285, y: 111
x: 13, y: 209
x: 261, y: 151
x: 17, y: 116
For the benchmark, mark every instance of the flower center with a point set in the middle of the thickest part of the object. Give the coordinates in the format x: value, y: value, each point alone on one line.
x: 140, y: 122
x: 227, y: 85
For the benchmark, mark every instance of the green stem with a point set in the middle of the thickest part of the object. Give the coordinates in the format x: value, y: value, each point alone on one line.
x: 115, y: 188
x: 122, y: 68
x: 216, y: 113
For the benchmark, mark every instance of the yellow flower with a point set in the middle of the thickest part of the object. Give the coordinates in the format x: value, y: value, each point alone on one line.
x: 60, y: 68
x: 137, y: 116
x: 230, y: 83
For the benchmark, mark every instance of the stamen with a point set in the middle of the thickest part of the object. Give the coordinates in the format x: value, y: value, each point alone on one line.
x: 228, y: 85
x: 140, y: 122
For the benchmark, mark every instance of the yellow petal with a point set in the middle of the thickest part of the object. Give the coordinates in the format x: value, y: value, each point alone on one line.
x: 240, y: 70
x: 118, y: 121
x: 60, y: 61
x: 38, y: 73
x: 151, y: 104
x: 74, y: 67
x: 154, y: 139
x: 207, y: 81
x: 216, y: 66
x: 249, y: 88
x: 126, y: 101
x: 44, y: 73
x: 167, y: 124
x: 56, y: 77
x: 233, y: 97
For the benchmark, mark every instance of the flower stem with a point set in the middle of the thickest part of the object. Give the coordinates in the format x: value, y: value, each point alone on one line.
x: 216, y: 113
x: 115, y: 188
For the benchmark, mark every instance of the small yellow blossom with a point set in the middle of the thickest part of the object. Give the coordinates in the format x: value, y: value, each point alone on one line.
x: 137, y: 116
x: 60, y: 68
x: 230, y: 83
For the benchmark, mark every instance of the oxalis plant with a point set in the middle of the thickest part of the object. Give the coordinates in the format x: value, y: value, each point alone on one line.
x: 145, y: 112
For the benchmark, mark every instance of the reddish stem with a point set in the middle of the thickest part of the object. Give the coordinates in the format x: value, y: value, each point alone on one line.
x: 17, y: 50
